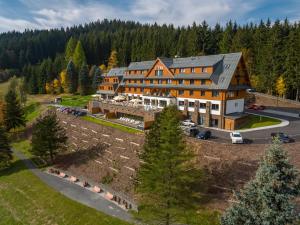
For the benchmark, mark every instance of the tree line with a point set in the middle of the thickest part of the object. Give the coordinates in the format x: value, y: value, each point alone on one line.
x: 271, y: 49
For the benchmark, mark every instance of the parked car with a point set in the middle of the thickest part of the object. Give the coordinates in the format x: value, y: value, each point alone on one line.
x: 236, y: 138
x: 251, y: 90
x: 188, y: 123
x: 282, y: 137
x: 204, y: 135
x: 256, y: 107
x: 191, y: 132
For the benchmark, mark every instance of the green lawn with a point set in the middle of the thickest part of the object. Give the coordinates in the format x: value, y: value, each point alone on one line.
x: 255, y: 121
x: 110, y: 124
x: 24, y: 199
x: 33, y: 110
x: 76, y: 100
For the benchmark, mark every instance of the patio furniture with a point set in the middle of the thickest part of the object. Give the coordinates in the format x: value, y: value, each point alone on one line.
x: 109, y: 196
x: 73, y: 179
x: 62, y: 175
x: 97, y: 189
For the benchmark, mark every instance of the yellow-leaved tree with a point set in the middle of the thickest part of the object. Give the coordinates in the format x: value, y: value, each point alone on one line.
x: 103, y: 68
x: 63, y: 81
x: 56, y: 86
x: 281, y: 86
x: 49, y: 88
x: 113, y: 60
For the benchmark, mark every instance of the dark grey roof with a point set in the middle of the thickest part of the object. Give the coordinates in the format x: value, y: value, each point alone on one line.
x: 143, y: 65
x: 120, y: 71
x: 196, y: 61
x: 134, y: 76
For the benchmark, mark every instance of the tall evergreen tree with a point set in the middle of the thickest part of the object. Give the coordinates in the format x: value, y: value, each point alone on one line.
x: 48, y: 137
x: 13, y: 111
x: 79, y: 56
x: 268, y: 199
x: 84, y: 81
x: 167, y: 180
x: 5, y: 152
x: 97, y: 79
x: 72, y: 78
x: 70, y: 49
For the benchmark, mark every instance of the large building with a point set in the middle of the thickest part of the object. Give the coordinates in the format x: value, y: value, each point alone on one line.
x: 210, y: 90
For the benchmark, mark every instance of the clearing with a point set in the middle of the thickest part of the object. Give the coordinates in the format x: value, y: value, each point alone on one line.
x: 76, y: 100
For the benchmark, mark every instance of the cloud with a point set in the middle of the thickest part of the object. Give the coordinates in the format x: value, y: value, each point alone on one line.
x: 62, y: 13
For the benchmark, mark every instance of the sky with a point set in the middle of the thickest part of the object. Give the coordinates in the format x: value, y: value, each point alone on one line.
x: 46, y: 14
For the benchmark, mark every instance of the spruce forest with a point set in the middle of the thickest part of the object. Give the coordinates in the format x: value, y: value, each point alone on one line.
x: 271, y: 50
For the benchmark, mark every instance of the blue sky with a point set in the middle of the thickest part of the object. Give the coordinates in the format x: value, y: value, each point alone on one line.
x: 46, y: 14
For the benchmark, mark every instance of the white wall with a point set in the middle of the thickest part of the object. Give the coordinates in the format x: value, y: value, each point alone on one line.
x: 236, y: 105
x: 191, y: 109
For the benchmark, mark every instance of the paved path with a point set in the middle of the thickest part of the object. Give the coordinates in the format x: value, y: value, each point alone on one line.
x: 75, y: 192
x: 262, y: 136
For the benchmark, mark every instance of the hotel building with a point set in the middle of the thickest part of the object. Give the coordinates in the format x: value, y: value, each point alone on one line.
x: 210, y: 90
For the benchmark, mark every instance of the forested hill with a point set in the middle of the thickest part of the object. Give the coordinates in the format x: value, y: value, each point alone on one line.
x: 271, y: 49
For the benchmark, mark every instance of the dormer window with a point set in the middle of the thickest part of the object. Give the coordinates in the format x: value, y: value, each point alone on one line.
x: 158, y: 73
x: 204, y: 69
x: 182, y: 70
x: 193, y: 70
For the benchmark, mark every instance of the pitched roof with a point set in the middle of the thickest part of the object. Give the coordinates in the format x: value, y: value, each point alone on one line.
x: 143, y: 65
x: 120, y: 71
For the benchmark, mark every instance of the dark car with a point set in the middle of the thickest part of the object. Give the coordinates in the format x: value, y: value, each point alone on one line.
x: 204, y: 135
x: 282, y: 137
x: 256, y: 107
x: 191, y: 132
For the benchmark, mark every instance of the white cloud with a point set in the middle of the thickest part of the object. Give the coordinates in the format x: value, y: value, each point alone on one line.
x: 62, y: 13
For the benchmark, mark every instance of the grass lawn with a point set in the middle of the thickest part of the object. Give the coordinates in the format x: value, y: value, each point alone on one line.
x: 76, y: 100
x: 24, y: 199
x: 109, y: 124
x: 255, y: 121
x: 33, y: 110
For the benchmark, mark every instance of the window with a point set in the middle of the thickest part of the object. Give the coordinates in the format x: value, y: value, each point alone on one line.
x: 181, y: 70
x: 191, y: 81
x: 204, y: 69
x: 237, y: 93
x: 180, y: 81
x: 203, y: 82
x: 230, y: 94
x: 214, y: 122
x: 151, y: 81
x: 158, y: 73
x: 159, y: 81
x: 142, y: 89
x: 193, y: 70
x: 146, y: 101
x: 181, y: 92
x: 215, y: 107
x: 135, y: 81
x: 191, y: 92
x: 215, y: 93
x: 169, y: 81
x: 129, y: 89
x: 191, y: 104
x: 134, y: 89
x: 181, y: 103
x: 202, y: 93
x: 202, y: 105
x: 162, y: 103
x: 141, y: 81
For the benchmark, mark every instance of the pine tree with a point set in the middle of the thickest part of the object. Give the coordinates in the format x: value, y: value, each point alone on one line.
x: 113, y: 60
x: 97, y: 79
x: 70, y: 48
x: 84, y: 81
x: 72, y: 78
x: 13, y: 112
x: 5, y: 152
x: 268, y: 199
x: 79, y: 56
x: 167, y: 180
x: 48, y: 137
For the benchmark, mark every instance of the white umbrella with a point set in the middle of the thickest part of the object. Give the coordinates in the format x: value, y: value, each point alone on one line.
x: 120, y: 98
x: 136, y: 101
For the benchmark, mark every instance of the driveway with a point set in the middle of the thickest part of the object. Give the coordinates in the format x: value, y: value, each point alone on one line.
x: 262, y: 136
x: 76, y: 192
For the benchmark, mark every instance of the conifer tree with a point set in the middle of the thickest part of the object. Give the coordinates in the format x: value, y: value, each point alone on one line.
x: 5, y: 152
x: 84, y: 81
x: 13, y: 111
x: 70, y: 48
x: 48, y: 137
x: 113, y: 60
x: 71, y: 78
x: 79, y: 56
x: 268, y: 199
x: 97, y: 79
x: 167, y: 180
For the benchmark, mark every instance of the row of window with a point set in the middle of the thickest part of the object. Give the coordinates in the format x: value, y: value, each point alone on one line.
x: 109, y: 88
x: 159, y: 72
x: 168, y: 81
x: 202, y: 93
x: 115, y: 80
x: 201, y: 106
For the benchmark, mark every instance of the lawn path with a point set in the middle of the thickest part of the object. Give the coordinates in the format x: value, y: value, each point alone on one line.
x: 75, y: 192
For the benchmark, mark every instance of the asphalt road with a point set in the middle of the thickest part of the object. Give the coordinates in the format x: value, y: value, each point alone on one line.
x: 261, y: 136
x: 76, y: 192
